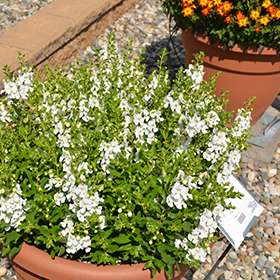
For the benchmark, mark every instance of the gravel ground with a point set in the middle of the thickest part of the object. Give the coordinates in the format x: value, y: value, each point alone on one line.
x: 13, y: 11
x: 258, y: 256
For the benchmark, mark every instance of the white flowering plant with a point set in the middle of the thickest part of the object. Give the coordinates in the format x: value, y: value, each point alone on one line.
x: 109, y: 166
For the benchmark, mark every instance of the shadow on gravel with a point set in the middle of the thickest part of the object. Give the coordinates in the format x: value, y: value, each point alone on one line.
x: 175, y: 58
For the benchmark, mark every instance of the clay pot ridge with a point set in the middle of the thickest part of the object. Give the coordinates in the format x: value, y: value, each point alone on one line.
x: 32, y: 263
x: 249, y: 50
x: 246, y: 74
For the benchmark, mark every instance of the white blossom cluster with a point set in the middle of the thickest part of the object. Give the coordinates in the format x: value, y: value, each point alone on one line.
x: 175, y: 105
x: 146, y: 125
x: 233, y: 159
x: 206, y: 228
x: 216, y: 146
x: 181, y: 243
x: 72, y: 187
x: 19, y: 87
x: 108, y: 152
x: 241, y: 122
x: 198, y: 253
x: 193, y: 125
x: 190, y: 126
x: 196, y: 74
x: 118, y: 114
x: 74, y: 243
x: 12, y: 208
x: 143, y: 125
x: 180, y: 191
x: 152, y: 87
x: 4, y: 114
x: 14, y: 90
x: 79, y: 199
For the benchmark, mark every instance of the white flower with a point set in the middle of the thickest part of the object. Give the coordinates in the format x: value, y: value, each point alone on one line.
x: 127, y: 121
x: 184, y: 244
x: 234, y: 157
x: 198, y: 253
x: 94, y: 102
x: 194, y: 125
x: 59, y: 198
x: 11, y: 90
x: 103, y: 220
x: 58, y: 128
x: 84, y: 166
x: 152, y: 126
x: 175, y: 106
x: 212, y: 118
x: 218, y: 211
x: 64, y: 140
x: 177, y: 243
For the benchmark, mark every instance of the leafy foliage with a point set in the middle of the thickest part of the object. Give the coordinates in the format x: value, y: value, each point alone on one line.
x: 105, y: 165
x: 244, y: 22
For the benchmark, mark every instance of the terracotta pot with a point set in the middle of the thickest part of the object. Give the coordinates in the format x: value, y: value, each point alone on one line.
x: 32, y: 263
x: 244, y: 73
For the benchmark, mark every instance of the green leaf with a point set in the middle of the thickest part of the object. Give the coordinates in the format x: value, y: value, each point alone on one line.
x: 187, y: 226
x: 61, y: 250
x: 146, y: 258
x: 151, y: 266
x: 113, y: 248
x: 52, y: 254
x: 15, y: 250
x: 115, y: 173
x: 173, y: 215
x: 121, y: 239
x: 11, y: 236
x: 6, y: 249
x: 107, y: 233
x: 168, y: 271
x: 159, y: 264
x: 167, y: 259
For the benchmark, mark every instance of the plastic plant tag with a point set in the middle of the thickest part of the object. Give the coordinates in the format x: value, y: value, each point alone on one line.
x: 236, y: 223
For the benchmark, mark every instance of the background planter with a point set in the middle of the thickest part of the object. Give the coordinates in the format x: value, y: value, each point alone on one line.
x: 32, y: 263
x: 244, y: 73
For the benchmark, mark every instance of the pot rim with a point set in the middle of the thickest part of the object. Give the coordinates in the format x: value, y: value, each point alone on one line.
x: 254, y: 50
x: 38, y: 262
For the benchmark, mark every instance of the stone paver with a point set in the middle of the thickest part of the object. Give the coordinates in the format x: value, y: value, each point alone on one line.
x: 56, y: 33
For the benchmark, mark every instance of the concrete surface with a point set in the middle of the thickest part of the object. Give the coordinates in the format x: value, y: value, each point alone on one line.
x: 262, y: 156
x: 58, y: 32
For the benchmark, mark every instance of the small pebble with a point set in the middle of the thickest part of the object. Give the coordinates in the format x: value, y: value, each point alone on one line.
x: 3, y: 270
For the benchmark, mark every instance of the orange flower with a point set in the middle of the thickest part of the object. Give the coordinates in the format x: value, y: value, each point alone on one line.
x: 220, y: 11
x: 228, y: 19
x: 243, y: 22
x: 277, y: 13
x: 217, y: 2
x: 187, y: 2
x: 239, y: 15
x: 266, y: 3
x: 203, y: 3
x: 258, y: 29
x: 206, y: 11
x: 255, y: 14
x: 272, y: 11
x: 227, y: 6
x: 210, y: 4
x: 188, y: 11
x: 264, y: 20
